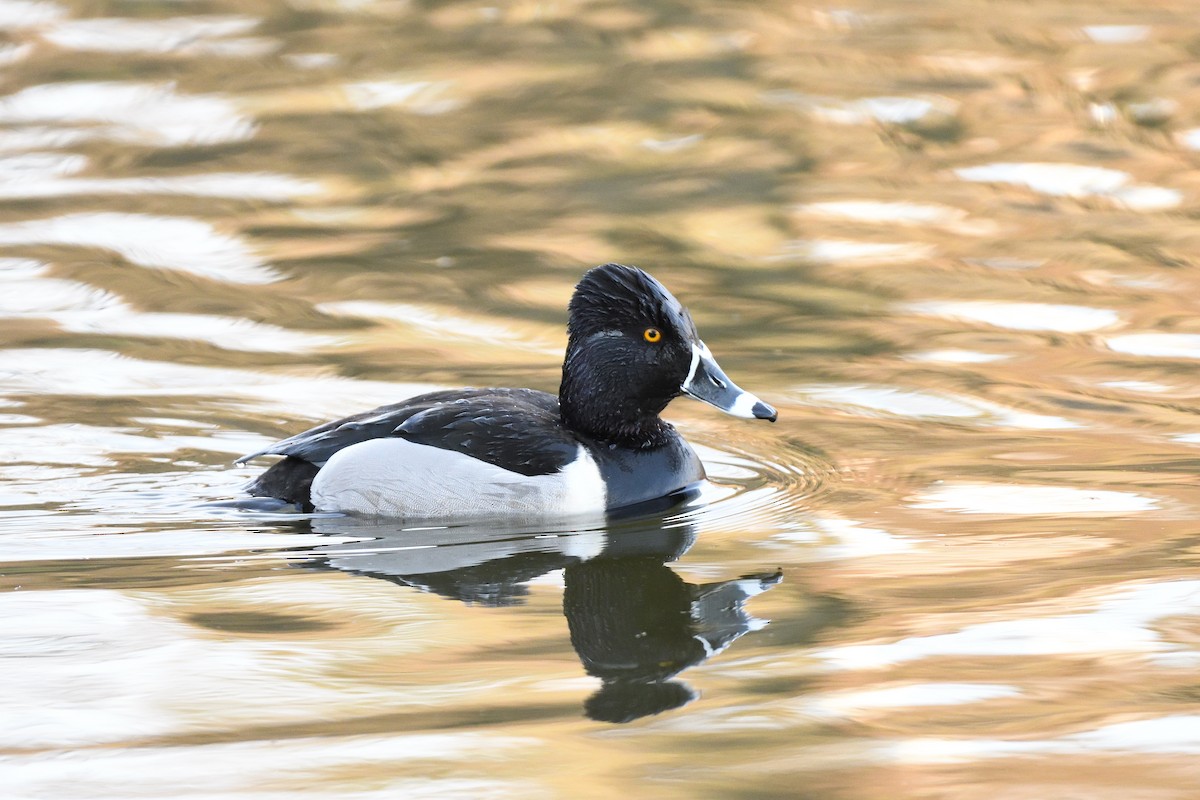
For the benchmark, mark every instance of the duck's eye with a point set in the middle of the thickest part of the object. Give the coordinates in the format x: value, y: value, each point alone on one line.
x: 652, y: 335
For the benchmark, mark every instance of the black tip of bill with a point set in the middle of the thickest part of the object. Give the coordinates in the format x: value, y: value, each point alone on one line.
x: 763, y: 411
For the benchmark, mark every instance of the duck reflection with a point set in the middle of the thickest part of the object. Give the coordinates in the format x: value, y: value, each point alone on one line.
x: 634, y: 622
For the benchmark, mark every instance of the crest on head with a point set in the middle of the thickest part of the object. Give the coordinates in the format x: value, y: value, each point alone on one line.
x: 619, y: 297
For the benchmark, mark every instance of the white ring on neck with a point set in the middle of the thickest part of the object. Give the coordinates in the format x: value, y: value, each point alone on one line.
x: 699, y: 350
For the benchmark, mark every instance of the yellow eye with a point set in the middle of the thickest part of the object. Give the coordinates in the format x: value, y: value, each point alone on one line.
x: 652, y: 335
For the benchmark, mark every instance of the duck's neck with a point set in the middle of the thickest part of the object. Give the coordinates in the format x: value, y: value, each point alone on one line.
x: 608, y: 415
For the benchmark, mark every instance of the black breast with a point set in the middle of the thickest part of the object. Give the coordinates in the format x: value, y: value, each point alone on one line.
x: 635, y: 476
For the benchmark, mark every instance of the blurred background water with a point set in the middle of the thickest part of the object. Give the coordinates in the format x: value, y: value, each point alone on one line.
x: 953, y: 242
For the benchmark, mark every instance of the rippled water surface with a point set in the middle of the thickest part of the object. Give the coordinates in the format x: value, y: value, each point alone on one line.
x: 954, y: 242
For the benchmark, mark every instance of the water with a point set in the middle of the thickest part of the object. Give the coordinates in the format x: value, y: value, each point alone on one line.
x: 952, y: 242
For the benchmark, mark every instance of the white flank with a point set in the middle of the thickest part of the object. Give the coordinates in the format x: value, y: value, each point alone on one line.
x: 398, y: 478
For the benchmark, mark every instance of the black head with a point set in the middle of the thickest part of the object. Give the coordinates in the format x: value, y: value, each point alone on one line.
x: 617, y: 297
x: 632, y: 348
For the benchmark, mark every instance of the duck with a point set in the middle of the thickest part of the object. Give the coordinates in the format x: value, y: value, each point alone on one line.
x: 598, y: 447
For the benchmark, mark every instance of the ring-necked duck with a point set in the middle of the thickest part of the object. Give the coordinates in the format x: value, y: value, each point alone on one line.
x: 477, y: 453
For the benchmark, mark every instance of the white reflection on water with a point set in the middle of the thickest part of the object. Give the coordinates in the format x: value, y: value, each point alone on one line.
x: 892, y: 213
x: 1019, y: 316
x: 926, y: 405
x: 904, y: 403
x: 1190, y: 138
x: 913, y: 695
x: 894, y: 110
x: 104, y: 374
x: 175, y: 243
x: 1165, y: 345
x: 671, y: 145
x: 191, y: 36
x: 1155, y: 111
x: 1146, y: 387
x: 71, y: 444
x: 298, y: 767
x: 240, y: 185
x: 418, y: 96
x: 832, y: 251
x: 1076, y: 180
x: 1119, y: 624
x: 897, y: 110
x: 312, y: 60
x: 39, y: 166
x: 843, y: 538
x: 98, y: 698
x: 898, y: 213
x: 956, y: 356
x: 62, y: 467
x: 79, y: 308
x: 822, y: 708
x: 102, y: 538
x: 1104, y: 114
x: 33, y: 137
x: 139, y: 113
x: 1004, y: 499
x: 95, y: 666
x: 1170, y: 735
x: 1117, y: 34
x: 15, y: 14
x: 855, y: 540
x: 12, y: 53
x: 229, y: 333
x: 441, y: 321
x: 28, y: 291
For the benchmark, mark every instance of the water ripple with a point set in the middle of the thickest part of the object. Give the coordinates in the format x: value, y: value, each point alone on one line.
x: 174, y: 243
x: 138, y: 113
x: 1005, y: 499
x: 442, y: 323
x: 1119, y: 623
x: 899, y: 213
x: 1020, y: 316
x: 1162, y: 345
x: 189, y: 36
x: 17, y: 14
x: 749, y: 490
x: 1078, y: 181
x: 1117, y: 34
x: 916, y: 404
x: 244, y: 185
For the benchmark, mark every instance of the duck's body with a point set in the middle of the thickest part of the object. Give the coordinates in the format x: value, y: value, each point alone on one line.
x: 520, y: 453
x: 470, y: 453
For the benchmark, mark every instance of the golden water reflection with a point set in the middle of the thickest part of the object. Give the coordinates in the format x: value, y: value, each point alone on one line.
x: 952, y: 243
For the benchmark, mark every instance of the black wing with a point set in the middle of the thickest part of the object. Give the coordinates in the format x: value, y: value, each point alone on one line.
x: 506, y: 431
x: 317, y: 445
x: 516, y: 429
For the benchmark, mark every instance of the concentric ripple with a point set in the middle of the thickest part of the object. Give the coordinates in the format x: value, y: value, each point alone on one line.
x: 746, y: 488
